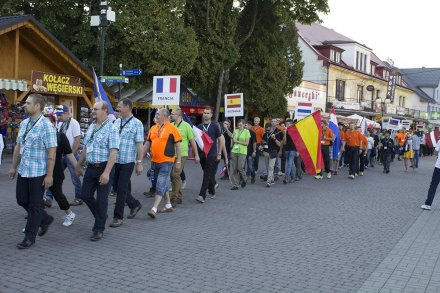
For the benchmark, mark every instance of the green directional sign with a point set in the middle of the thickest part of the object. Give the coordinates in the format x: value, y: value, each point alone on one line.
x: 434, y: 115
x: 114, y: 79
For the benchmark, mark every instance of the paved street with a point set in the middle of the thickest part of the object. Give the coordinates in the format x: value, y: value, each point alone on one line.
x: 337, y: 235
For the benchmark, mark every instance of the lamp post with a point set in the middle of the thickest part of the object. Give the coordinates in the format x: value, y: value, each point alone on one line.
x: 103, y: 20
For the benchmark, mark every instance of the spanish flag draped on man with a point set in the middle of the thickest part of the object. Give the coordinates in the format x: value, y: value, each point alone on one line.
x: 307, y: 135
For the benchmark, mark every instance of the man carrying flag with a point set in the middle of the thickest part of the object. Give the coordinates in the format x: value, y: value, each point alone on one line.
x: 100, y: 95
x: 210, y: 158
x: 307, y: 135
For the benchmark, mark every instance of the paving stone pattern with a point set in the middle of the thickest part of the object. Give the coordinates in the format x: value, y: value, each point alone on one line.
x: 335, y: 235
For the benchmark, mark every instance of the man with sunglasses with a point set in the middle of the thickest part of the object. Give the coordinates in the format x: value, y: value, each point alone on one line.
x: 101, y: 145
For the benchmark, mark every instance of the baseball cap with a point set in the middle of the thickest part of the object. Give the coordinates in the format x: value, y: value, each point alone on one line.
x: 60, y: 109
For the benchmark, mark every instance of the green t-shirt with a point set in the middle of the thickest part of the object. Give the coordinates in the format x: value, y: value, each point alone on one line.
x: 241, y: 135
x: 187, y: 134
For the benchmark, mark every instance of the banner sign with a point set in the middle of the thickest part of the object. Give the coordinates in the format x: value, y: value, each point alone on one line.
x: 434, y: 115
x: 166, y: 90
x: 393, y: 124
x: 57, y: 84
x: 391, y: 87
x: 234, y: 105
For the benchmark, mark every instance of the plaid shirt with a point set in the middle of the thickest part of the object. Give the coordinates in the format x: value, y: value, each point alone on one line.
x: 131, y: 133
x: 100, y: 142
x: 34, y: 142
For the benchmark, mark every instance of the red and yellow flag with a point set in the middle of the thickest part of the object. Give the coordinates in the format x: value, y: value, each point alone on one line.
x: 233, y: 101
x: 307, y: 135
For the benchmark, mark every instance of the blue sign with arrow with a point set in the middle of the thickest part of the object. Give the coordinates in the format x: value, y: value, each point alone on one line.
x: 131, y: 72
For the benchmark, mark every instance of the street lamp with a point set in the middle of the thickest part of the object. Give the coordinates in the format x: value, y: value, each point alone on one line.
x: 103, y: 20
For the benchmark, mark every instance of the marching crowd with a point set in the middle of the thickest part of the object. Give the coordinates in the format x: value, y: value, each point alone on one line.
x: 114, y: 149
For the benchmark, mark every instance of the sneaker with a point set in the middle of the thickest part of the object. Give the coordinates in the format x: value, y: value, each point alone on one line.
x: 211, y: 196
x: 356, y: 175
x: 351, y: 176
x: 183, y: 184
x: 116, y: 223
x: 152, y: 214
x: 268, y: 185
x: 68, y: 219
x: 426, y: 207
x: 361, y: 173
x: 280, y: 173
x: 96, y: 236
x: 200, y: 199
x: 318, y: 177
x: 329, y: 175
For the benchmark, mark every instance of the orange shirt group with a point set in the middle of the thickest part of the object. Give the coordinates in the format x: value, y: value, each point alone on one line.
x: 353, y: 138
x: 163, y: 140
x: 326, y: 134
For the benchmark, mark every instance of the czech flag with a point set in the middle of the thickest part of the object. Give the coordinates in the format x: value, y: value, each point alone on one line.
x: 100, y: 95
x: 307, y: 135
x: 166, y: 85
x: 204, y: 142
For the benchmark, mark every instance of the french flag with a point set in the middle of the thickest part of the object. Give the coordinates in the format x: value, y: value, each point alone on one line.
x: 333, y: 125
x: 204, y: 142
x: 166, y: 85
x: 305, y: 108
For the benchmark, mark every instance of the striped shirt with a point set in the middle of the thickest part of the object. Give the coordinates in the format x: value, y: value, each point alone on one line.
x: 35, y: 136
x: 131, y: 132
x: 100, y: 140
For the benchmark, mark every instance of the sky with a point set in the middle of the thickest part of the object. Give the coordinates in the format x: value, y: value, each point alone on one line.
x: 405, y: 31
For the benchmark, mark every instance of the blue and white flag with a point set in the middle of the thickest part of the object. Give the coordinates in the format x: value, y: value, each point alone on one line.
x: 100, y: 95
x: 333, y: 125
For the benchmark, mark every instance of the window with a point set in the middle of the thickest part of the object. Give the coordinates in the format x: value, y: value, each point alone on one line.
x: 340, y: 90
x: 377, y: 94
x: 360, y: 93
x: 357, y: 60
x: 332, y: 55
x: 373, y: 69
x: 401, y: 101
x: 338, y: 57
x: 386, y: 74
x: 364, y: 68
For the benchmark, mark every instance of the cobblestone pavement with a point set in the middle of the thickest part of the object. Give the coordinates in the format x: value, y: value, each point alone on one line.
x: 338, y: 235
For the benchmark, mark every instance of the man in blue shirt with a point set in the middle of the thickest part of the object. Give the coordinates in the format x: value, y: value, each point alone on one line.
x: 131, y: 132
x: 34, y: 154
x: 101, y: 145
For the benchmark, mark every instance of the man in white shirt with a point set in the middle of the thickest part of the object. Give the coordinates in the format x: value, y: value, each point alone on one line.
x: 434, y: 181
x: 70, y: 127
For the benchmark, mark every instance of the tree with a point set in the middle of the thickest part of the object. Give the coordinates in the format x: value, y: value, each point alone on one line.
x: 270, y: 63
x: 210, y: 18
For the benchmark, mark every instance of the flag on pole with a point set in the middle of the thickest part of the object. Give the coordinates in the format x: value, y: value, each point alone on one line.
x: 333, y: 125
x: 100, y: 95
x: 307, y: 135
x: 202, y: 139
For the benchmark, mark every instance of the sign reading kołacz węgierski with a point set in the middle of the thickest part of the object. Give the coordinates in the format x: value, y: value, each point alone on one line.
x: 58, y: 84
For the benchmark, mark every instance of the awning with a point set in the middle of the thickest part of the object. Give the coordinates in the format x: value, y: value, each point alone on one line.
x: 12, y: 84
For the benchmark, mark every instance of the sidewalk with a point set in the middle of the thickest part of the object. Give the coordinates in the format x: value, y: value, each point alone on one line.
x: 413, y: 265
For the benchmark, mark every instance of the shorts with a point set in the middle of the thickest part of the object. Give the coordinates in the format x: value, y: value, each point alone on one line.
x: 162, y: 171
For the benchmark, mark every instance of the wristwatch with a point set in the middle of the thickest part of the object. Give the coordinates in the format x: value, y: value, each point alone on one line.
x: 138, y: 161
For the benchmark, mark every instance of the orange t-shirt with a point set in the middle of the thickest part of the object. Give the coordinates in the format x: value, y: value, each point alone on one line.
x: 353, y: 138
x: 401, y: 137
x: 163, y: 140
x: 326, y: 134
x: 259, y: 132
x: 364, y: 142
x: 342, y: 135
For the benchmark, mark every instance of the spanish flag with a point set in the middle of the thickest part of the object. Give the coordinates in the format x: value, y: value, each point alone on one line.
x: 307, y: 135
x: 233, y: 101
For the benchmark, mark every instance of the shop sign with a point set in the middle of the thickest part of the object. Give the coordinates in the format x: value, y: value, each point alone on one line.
x: 346, y: 105
x: 57, y: 84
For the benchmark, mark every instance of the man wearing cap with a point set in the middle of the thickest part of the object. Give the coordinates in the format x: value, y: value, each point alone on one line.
x: 70, y: 127
x: 101, y: 145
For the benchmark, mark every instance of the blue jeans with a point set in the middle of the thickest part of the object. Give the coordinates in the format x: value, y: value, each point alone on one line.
x: 162, y: 172
x: 98, y: 206
x: 290, y: 168
x: 250, y: 166
x: 433, y: 186
x: 416, y: 158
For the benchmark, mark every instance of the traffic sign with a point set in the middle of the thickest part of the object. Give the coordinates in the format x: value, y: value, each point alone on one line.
x: 131, y: 72
x: 114, y: 79
x: 435, y: 115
